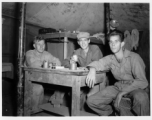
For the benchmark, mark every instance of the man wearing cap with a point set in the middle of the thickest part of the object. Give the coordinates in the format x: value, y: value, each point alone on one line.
x: 86, y: 54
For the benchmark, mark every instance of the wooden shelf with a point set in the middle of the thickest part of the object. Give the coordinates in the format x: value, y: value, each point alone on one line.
x: 59, y: 35
x: 68, y: 35
x: 7, y: 67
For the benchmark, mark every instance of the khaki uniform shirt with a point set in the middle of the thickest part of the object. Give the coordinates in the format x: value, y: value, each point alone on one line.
x: 34, y: 60
x: 130, y: 73
x: 93, y: 54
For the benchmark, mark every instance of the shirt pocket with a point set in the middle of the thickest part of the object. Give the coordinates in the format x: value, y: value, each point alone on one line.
x: 118, y: 73
x: 127, y: 69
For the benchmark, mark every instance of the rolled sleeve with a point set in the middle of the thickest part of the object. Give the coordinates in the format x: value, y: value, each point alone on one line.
x: 57, y: 61
x: 102, y: 64
x: 53, y: 59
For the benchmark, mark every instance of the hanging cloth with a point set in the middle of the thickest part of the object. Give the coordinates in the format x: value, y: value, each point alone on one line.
x: 135, y: 38
x: 127, y: 40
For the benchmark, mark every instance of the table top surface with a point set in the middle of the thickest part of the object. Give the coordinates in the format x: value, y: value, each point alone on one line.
x: 61, y: 71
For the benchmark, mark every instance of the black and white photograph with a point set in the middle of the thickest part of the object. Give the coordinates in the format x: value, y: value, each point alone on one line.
x: 78, y: 58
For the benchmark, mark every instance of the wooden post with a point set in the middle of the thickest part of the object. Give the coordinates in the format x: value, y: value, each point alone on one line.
x: 107, y: 12
x: 20, y: 63
x: 65, y: 47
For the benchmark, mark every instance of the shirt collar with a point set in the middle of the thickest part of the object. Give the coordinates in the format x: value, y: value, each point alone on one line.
x: 87, y: 52
x: 126, y: 54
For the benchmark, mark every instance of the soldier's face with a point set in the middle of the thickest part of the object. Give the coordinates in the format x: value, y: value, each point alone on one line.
x: 115, y: 44
x: 84, y: 43
x: 40, y: 46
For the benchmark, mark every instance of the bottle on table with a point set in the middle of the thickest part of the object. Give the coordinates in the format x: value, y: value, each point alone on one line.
x: 45, y: 64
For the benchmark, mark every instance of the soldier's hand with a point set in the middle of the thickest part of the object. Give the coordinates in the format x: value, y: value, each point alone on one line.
x: 91, y: 78
x: 72, y: 60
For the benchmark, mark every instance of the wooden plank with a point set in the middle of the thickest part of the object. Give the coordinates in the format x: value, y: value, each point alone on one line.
x: 6, y: 67
x: 63, y: 110
x: 9, y: 69
x: 56, y: 79
x: 59, y: 35
x: 83, y: 113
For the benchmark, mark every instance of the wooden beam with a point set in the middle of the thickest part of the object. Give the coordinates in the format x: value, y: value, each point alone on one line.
x: 20, y: 62
x: 107, y: 12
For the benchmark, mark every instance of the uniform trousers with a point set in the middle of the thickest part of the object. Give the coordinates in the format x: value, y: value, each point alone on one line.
x: 37, y: 96
x: 101, y: 101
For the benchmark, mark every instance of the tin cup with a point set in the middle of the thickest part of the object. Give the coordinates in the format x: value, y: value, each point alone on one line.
x: 73, y: 66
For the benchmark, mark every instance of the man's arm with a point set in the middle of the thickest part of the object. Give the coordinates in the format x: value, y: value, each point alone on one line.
x: 138, y: 71
x: 57, y: 61
x: 102, y: 64
x: 54, y: 60
x: 66, y: 62
x: 96, y: 55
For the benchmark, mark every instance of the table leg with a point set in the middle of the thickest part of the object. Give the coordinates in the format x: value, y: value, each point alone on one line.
x: 76, y: 96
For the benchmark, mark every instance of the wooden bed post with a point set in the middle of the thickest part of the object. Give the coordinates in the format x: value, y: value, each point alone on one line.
x: 65, y: 47
x: 21, y: 48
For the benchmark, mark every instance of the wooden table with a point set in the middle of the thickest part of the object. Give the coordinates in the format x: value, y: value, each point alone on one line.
x: 74, y: 79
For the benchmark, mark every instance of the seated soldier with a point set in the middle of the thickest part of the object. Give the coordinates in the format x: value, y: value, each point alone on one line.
x: 129, y: 69
x: 86, y: 54
x: 35, y: 58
